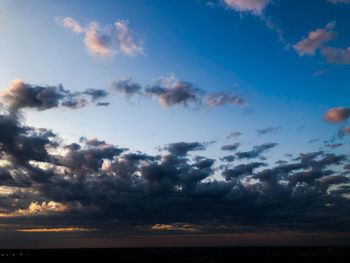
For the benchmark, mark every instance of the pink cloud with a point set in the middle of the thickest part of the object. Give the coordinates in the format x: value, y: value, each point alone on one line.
x: 337, y: 55
x: 105, y: 41
x: 337, y: 114
x: 254, y: 6
x: 72, y: 24
x: 315, y: 40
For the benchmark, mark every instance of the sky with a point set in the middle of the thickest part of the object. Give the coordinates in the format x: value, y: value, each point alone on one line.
x: 174, y: 123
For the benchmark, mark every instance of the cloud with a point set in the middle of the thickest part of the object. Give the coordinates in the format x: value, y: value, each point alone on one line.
x: 337, y: 115
x: 256, y: 151
x: 174, y: 227
x: 338, y: 1
x: 20, y: 95
x: 127, y: 43
x: 105, y: 41
x: 171, y: 91
x: 175, y: 93
x: 182, y: 148
x: 95, y: 94
x: 230, y: 147
x: 268, y: 130
x: 48, y: 185
x: 72, y: 24
x: 126, y: 86
x: 44, y: 208
x: 241, y: 170
x: 220, y: 99
x: 234, y: 134
x: 55, y: 230
x: 315, y: 40
x: 337, y: 55
x: 255, y: 7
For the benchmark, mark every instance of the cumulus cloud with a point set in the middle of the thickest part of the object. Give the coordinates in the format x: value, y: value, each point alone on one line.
x: 256, y: 151
x: 44, y: 208
x: 20, y: 95
x: 315, y: 40
x: 92, y: 184
x: 337, y: 115
x: 126, y: 86
x: 253, y: 6
x: 105, y: 41
x: 182, y: 148
x: 171, y: 91
x: 175, y: 93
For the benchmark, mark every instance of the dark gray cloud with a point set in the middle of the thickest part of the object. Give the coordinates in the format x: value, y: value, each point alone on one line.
x: 230, y: 147
x: 94, y: 184
x: 171, y: 92
x: 126, y: 86
x: 241, y: 169
x: 177, y: 93
x: 96, y: 94
x: 228, y: 158
x: 256, y: 151
x: 20, y: 95
x: 182, y: 148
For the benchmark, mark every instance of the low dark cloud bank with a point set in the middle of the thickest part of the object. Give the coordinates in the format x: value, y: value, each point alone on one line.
x: 95, y: 185
x: 91, y: 184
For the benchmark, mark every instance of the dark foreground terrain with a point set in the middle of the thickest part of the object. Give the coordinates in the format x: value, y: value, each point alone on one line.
x: 168, y: 255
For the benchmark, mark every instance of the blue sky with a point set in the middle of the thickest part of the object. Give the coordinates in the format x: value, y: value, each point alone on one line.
x: 216, y: 48
x: 260, y: 51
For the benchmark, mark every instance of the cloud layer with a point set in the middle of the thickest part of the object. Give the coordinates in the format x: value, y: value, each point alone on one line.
x: 95, y: 185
